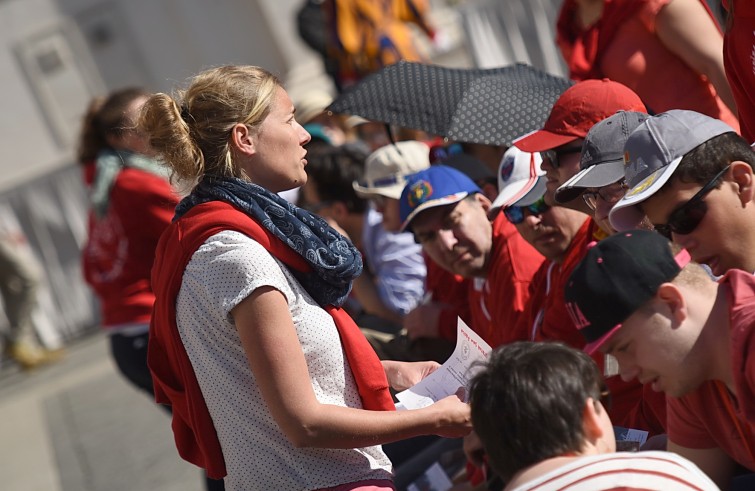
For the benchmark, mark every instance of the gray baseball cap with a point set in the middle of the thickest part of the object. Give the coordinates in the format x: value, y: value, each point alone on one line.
x: 602, y: 161
x: 652, y: 154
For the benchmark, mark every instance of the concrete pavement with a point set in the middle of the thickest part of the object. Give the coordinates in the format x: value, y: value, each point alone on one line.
x: 77, y: 425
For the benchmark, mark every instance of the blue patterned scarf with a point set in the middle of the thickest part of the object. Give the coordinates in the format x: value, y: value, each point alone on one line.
x: 335, y: 262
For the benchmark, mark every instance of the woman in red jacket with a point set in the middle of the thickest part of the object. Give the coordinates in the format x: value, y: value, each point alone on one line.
x: 132, y: 203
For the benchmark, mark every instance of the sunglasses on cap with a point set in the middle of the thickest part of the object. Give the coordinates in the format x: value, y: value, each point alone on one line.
x: 515, y: 214
x: 611, y: 194
x: 688, y: 216
x: 553, y: 156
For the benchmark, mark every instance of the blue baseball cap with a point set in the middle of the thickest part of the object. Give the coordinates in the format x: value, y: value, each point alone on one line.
x: 437, y: 185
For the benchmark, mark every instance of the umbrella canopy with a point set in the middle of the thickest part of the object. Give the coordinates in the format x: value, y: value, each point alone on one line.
x: 491, y: 106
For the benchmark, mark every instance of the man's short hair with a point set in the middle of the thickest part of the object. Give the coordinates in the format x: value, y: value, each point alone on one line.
x: 528, y: 401
x: 701, y: 164
x: 333, y: 170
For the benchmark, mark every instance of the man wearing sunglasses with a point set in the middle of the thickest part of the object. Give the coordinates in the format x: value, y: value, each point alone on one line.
x: 600, y: 181
x: 692, y: 176
x: 574, y: 113
x: 562, y: 235
x: 678, y: 331
x: 541, y: 411
x: 447, y: 213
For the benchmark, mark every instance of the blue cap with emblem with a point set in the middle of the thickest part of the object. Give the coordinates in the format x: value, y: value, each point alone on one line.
x: 437, y: 185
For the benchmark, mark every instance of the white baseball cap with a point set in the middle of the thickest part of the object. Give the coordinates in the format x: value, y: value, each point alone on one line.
x: 520, y: 179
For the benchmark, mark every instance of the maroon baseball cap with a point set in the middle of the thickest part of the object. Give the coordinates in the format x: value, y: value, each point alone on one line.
x: 577, y: 110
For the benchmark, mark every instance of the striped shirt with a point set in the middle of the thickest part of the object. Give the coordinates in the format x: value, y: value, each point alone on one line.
x: 640, y: 471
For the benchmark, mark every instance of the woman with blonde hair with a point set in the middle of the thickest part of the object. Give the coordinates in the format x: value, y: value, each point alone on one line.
x: 272, y: 385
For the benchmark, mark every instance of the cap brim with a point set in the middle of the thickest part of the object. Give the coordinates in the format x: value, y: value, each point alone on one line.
x: 392, y: 191
x: 595, y: 176
x: 520, y: 193
x: 625, y: 214
x: 446, y: 200
x: 591, y: 348
x: 542, y: 140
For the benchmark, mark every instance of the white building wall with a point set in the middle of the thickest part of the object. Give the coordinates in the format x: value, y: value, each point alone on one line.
x: 57, y: 54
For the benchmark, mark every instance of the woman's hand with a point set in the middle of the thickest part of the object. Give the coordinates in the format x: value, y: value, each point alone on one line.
x: 402, y: 375
x: 455, y: 418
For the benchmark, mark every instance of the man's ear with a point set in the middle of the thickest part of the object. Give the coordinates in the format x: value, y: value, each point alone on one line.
x: 484, y: 202
x: 672, y: 296
x: 242, y: 140
x: 591, y: 420
x: 742, y: 175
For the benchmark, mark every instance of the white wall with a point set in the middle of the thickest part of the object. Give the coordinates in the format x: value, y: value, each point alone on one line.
x: 103, y: 45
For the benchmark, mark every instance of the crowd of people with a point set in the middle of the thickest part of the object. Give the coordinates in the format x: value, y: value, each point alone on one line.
x: 273, y: 273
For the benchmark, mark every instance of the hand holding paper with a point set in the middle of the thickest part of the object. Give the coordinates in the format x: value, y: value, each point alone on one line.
x: 452, y: 375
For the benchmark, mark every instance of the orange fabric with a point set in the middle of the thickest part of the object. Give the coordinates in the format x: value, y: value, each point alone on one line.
x: 174, y: 379
x: 633, y: 55
x: 497, y: 302
x: 370, y: 34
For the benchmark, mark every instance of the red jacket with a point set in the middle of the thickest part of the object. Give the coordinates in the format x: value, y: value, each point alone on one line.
x: 172, y: 372
x: 118, y: 256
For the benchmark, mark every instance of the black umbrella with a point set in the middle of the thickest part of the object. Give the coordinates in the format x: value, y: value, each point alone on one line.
x: 490, y: 106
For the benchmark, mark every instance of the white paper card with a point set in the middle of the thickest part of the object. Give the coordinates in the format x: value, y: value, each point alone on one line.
x: 453, y: 374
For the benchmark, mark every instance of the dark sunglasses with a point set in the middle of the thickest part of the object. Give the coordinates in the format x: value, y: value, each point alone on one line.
x: 611, y: 194
x: 554, y: 156
x: 688, y: 216
x: 515, y: 214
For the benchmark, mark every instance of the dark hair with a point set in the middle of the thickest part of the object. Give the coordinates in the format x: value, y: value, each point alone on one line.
x: 528, y: 401
x: 702, y: 163
x: 106, y: 116
x: 332, y: 171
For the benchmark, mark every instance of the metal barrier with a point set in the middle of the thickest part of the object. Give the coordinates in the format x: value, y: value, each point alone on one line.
x: 51, y: 212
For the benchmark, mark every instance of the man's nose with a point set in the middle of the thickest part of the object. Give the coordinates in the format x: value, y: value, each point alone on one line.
x: 446, y: 239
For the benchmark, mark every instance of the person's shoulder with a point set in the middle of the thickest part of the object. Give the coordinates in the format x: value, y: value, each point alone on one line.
x: 142, y: 183
x: 651, y: 470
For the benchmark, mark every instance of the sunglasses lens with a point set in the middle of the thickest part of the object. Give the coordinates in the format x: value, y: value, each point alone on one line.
x: 514, y: 214
x: 664, y: 230
x: 686, y: 219
x: 539, y: 206
x: 551, y: 156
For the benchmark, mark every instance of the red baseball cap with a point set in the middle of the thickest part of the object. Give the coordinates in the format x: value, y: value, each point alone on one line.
x: 577, y: 110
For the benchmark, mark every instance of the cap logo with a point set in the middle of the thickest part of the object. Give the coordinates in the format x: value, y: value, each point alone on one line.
x: 587, y: 157
x: 643, y: 185
x: 576, y: 315
x: 419, y: 192
x: 507, y: 168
